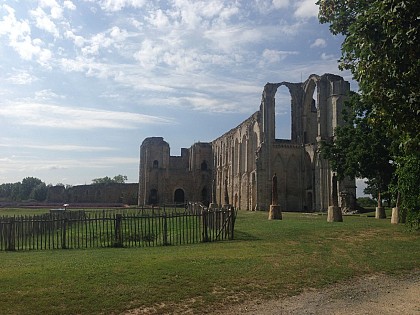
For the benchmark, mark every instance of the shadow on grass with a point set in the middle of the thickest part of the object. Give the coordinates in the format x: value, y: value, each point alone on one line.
x: 245, y: 236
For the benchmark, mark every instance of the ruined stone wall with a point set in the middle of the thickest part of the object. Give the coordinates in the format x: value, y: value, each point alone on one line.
x: 240, y: 163
x: 96, y: 193
x: 235, y: 164
x: 166, y: 179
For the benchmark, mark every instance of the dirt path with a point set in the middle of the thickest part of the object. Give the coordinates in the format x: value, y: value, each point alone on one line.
x: 373, y: 294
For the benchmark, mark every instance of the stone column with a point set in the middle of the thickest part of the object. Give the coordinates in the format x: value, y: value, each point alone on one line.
x: 275, y: 211
x: 213, y: 203
x: 380, y: 211
x: 395, y: 217
x: 334, y: 211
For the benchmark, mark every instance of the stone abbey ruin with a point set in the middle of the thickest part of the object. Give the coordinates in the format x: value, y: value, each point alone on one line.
x: 237, y: 168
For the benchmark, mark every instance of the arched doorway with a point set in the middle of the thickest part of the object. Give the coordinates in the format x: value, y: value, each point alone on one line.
x: 205, y: 197
x: 153, y: 197
x: 179, y: 196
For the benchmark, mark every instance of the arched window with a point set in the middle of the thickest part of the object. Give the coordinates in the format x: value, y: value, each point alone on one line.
x: 204, y: 166
x: 283, y: 114
x: 153, y: 197
x: 179, y: 196
x: 155, y: 164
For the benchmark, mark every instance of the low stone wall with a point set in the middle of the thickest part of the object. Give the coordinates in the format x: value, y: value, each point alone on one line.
x: 96, y: 193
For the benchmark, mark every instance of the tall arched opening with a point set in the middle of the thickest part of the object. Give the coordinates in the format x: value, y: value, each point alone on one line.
x: 179, y: 196
x: 205, y: 197
x: 283, y: 114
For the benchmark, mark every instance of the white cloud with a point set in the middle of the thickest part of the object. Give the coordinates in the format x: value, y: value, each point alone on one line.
x: 273, y: 56
x: 42, y: 115
x: 47, y: 94
x: 69, y: 5
x: 118, y: 5
x: 205, y: 103
x: 56, y: 11
x: 43, y: 22
x: 158, y: 19
x: 280, y: 3
x: 21, y: 77
x: 17, y: 143
x: 149, y: 54
x: 111, y: 37
x: 306, y: 9
x: 319, y: 42
x: 325, y: 56
x: 233, y: 37
x: 19, y: 36
x: 79, y: 41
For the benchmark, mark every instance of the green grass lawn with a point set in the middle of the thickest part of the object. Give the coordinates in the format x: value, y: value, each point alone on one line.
x: 266, y: 259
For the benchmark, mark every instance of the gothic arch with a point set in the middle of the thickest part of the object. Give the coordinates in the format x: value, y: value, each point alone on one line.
x: 179, y: 196
x: 310, y: 109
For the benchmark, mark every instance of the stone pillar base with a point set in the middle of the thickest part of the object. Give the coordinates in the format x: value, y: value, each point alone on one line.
x: 380, y: 213
x: 395, y: 218
x: 334, y: 214
x: 275, y: 213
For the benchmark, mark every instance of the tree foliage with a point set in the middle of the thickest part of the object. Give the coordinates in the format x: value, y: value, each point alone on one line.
x: 361, y: 149
x: 120, y: 179
x: 28, y: 188
x: 381, y: 50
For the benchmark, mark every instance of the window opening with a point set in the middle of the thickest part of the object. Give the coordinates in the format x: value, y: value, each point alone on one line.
x: 283, y: 114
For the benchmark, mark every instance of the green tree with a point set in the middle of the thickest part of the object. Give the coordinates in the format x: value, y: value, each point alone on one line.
x: 28, y: 184
x: 108, y: 180
x: 6, y: 190
x: 361, y: 149
x: 381, y: 50
x: 15, y: 193
x: 120, y: 179
x: 39, y: 193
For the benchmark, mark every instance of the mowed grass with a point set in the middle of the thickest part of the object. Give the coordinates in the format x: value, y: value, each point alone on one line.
x: 267, y: 259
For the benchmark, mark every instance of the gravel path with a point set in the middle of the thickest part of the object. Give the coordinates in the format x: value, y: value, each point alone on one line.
x: 373, y: 294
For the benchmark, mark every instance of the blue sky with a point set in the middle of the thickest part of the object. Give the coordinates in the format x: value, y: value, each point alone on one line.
x: 82, y: 83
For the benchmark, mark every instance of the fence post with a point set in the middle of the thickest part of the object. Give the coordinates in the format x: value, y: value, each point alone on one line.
x: 64, y: 235
x: 11, y: 236
x: 118, y: 236
x: 232, y: 222
x: 205, y: 225
x: 165, y: 230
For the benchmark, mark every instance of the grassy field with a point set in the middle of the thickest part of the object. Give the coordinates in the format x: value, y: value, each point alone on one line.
x: 266, y: 259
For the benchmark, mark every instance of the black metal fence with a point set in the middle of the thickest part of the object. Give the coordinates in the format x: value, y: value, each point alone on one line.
x: 128, y: 228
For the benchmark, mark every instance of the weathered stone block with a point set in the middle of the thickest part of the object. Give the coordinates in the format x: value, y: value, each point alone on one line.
x: 334, y: 214
x: 380, y: 213
x: 395, y: 217
x: 275, y: 213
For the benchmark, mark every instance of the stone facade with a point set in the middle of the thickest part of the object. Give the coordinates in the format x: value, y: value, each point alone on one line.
x: 112, y: 193
x: 244, y: 160
x: 174, y: 179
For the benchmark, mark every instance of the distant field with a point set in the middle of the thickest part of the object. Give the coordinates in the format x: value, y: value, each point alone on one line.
x: 266, y: 259
x: 22, y: 211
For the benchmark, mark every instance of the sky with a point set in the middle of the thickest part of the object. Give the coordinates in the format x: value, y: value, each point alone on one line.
x: 83, y: 83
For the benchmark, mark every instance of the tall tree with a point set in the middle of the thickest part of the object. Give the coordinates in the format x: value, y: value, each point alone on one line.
x: 361, y: 149
x: 28, y: 185
x: 381, y: 50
